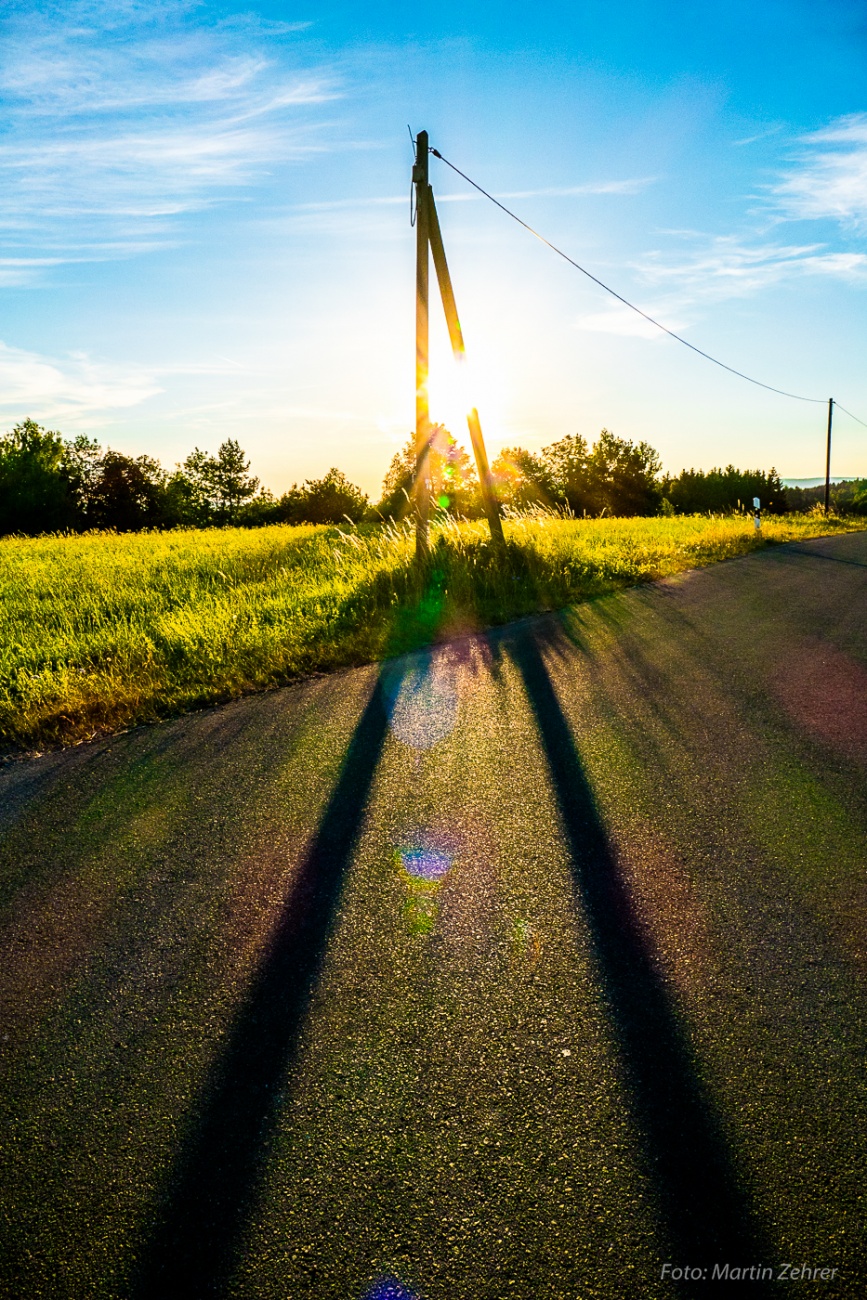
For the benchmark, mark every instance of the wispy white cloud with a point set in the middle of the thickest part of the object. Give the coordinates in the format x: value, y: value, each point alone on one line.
x: 81, y: 391
x: 75, y: 389
x: 251, y: 392
x: 828, y: 178
x: 121, y: 118
x: 760, y: 135
x: 717, y: 270
x: 23, y: 270
x: 341, y: 216
x: 629, y: 186
x: 729, y: 267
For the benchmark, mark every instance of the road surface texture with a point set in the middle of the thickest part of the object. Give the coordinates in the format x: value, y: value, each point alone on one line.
x: 525, y: 967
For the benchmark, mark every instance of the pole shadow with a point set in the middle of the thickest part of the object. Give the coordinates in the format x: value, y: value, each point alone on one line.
x: 701, y: 1207
x: 800, y: 549
x: 211, y: 1193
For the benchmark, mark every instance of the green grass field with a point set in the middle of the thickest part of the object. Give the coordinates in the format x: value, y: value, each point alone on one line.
x: 104, y: 631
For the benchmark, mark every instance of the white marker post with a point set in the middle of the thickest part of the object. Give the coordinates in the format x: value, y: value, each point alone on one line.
x: 757, y: 506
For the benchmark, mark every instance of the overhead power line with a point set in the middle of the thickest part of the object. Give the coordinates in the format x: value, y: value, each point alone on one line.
x: 707, y: 356
x: 849, y: 413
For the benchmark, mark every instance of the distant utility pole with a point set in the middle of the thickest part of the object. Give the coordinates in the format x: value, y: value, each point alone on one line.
x: 828, y: 458
x: 428, y: 235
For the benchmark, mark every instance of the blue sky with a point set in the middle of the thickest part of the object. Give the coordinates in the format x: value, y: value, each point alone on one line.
x: 205, y: 225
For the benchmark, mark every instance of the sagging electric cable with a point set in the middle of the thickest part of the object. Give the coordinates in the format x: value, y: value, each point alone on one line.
x: 849, y: 413
x: 782, y: 392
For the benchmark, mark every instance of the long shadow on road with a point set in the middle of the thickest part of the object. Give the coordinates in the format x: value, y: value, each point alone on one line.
x: 212, y: 1191
x: 702, y: 1210
x: 796, y: 549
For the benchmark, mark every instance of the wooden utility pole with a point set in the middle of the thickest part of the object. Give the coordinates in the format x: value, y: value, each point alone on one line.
x: 828, y: 458
x: 421, y: 484
x: 489, y: 499
x: 428, y: 236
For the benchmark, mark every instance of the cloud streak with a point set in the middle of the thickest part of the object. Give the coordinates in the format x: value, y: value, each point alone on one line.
x: 729, y: 267
x: 122, y: 118
x: 75, y: 389
x: 83, y: 392
x: 632, y: 185
x: 721, y: 269
x: 828, y: 179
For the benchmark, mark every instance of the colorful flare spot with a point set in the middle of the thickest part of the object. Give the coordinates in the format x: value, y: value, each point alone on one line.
x: 425, y: 863
x: 422, y: 701
x: 428, y: 853
x: 526, y: 944
x: 443, y: 501
x: 420, y: 912
x: 389, y: 1288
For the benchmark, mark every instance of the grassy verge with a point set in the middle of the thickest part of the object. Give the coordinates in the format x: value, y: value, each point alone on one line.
x: 103, y: 631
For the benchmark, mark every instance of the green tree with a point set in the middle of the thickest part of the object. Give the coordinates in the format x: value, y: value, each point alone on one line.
x: 856, y: 499
x: 126, y: 493
x: 615, y: 476
x: 82, y: 459
x: 454, y: 485
x: 35, y: 492
x: 184, y: 504
x: 262, y: 509
x: 232, y: 482
x: 216, y: 486
x: 326, y: 500
x: 623, y: 476
x: 566, y: 464
x: 521, y: 479
x: 721, y: 491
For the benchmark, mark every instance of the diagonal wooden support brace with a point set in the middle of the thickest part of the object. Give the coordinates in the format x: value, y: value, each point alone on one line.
x: 489, y: 500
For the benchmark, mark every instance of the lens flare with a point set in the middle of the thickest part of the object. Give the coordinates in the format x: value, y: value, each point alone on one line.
x: 389, y: 1288
x: 422, y: 700
x: 525, y: 944
x: 424, y: 861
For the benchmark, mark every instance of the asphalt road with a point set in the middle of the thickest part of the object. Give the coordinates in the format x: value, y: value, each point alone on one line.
x: 523, y: 968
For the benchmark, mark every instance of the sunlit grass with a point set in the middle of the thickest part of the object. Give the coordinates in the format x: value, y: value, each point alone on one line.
x: 103, y: 631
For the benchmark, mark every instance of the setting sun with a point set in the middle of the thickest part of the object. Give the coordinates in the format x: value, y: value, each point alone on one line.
x: 456, y: 387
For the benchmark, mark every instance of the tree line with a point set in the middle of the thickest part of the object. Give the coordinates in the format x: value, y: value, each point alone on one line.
x: 52, y: 484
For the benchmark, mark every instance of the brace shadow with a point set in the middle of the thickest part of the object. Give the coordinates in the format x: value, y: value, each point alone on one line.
x: 701, y: 1206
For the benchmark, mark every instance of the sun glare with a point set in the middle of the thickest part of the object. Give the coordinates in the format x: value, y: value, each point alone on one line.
x: 454, y: 389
